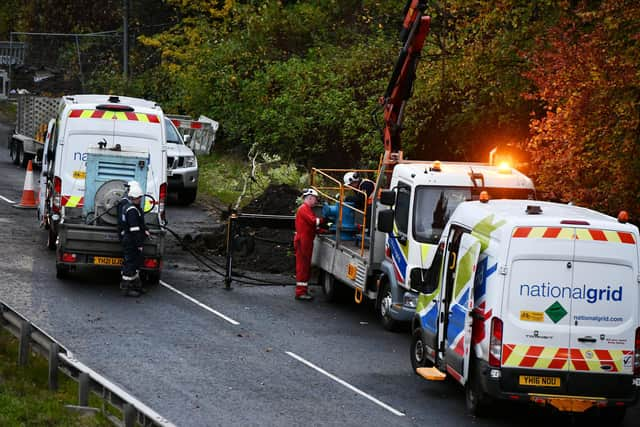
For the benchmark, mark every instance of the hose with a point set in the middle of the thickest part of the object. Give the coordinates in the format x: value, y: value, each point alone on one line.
x: 205, y: 260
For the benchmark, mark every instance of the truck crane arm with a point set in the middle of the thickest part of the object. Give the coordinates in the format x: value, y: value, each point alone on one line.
x: 414, y: 31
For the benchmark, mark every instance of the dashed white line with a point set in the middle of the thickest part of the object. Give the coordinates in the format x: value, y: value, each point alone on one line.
x: 7, y: 200
x: 346, y: 384
x: 199, y: 304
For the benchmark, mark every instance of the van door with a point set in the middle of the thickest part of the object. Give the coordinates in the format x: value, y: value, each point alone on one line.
x: 604, y: 313
x: 536, y: 309
x: 458, y: 303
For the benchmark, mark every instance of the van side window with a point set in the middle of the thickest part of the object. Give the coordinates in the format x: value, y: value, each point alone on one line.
x: 403, y: 199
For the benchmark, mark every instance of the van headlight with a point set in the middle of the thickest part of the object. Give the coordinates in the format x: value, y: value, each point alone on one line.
x: 190, y: 161
x: 410, y: 300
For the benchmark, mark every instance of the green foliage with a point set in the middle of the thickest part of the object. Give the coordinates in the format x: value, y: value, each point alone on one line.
x: 25, y: 399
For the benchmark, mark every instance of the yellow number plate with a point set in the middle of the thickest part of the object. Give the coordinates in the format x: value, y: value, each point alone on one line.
x: 535, y: 381
x: 104, y: 260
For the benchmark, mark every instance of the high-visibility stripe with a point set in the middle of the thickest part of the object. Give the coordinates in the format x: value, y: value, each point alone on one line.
x: 114, y: 115
x: 72, y: 201
x: 593, y: 234
x: 539, y: 357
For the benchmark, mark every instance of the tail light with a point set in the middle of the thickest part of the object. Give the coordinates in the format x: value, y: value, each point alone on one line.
x: 495, y: 343
x: 68, y: 257
x: 151, y: 263
x: 636, y: 357
x: 57, y: 189
x: 162, y: 200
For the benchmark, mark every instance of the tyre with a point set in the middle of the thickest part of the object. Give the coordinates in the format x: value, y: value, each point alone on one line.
x: 150, y: 278
x: 24, y: 161
x: 477, y: 401
x: 52, y: 237
x: 15, y: 152
x: 186, y: 197
x: 418, y: 351
x: 383, y: 306
x: 329, y: 287
x: 612, y: 415
x: 62, y: 271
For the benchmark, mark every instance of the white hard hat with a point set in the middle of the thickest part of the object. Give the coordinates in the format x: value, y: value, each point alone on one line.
x: 309, y: 192
x: 134, y: 190
x: 351, y: 177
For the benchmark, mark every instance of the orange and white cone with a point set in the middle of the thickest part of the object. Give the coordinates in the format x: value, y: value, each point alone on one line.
x: 28, y: 195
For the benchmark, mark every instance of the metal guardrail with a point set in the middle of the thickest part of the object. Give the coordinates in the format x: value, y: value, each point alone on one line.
x: 33, y: 339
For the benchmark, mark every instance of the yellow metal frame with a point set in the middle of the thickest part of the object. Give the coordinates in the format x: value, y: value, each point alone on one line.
x: 318, y: 176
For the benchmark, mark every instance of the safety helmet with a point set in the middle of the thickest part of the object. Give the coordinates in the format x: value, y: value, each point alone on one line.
x: 134, y: 190
x: 351, y: 177
x: 309, y: 192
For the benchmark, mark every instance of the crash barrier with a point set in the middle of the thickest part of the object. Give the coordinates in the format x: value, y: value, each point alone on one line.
x: 201, y: 132
x: 34, y: 340
x: 237, y: 242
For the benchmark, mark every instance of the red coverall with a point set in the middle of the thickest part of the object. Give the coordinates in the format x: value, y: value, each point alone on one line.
x: 306, y: 223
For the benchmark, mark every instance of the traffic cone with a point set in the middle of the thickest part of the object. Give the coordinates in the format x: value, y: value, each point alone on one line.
x: 28, y: 195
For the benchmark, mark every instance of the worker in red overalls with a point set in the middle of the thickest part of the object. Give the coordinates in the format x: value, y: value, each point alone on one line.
x: 306, y: 224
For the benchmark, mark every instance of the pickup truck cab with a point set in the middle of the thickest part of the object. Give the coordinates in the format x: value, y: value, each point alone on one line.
x: 182, y: 166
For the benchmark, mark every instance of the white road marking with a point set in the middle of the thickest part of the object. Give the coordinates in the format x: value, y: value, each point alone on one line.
x: 199, y: 304
x: 7, y: 200
x: 346, y: 384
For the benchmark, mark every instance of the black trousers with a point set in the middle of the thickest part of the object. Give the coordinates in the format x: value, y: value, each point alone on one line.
x: 132, y: 256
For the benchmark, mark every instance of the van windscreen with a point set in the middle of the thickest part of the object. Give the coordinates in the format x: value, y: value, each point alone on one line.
x: 432, y: 209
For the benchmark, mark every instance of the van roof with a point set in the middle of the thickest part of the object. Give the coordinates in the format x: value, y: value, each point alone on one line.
x: 90, y: 101
x: 460, y: 175
x: 523, y: 213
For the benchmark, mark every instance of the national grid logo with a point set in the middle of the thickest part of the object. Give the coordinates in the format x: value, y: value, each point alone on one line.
x: 591, y: 295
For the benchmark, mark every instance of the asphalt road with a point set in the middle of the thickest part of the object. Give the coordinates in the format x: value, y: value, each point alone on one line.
x: 203, y: 356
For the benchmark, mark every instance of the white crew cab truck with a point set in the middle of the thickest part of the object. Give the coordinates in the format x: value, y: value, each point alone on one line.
x: 386, y: 261
x: 533, y: 302
x: 94, y: 147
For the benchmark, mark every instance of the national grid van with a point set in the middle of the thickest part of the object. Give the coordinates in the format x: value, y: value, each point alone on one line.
x: 94, y: 147
x: 534, y: 302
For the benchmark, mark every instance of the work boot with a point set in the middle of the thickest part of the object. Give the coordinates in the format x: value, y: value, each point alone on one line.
x: 304, y: 297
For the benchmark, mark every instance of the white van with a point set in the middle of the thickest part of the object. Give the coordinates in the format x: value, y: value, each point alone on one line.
x: 533, y: 302
x: 97, y: 144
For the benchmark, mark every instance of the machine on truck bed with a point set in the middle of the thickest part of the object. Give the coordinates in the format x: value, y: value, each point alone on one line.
x: 387, y: 260
x: 95, y: 146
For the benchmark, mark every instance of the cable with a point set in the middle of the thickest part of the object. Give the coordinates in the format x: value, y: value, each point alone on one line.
x: 200, y: 257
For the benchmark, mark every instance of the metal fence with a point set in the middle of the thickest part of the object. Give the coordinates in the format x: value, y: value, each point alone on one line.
x: 34, y: 340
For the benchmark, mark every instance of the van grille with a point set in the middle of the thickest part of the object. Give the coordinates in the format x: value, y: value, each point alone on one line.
x: 108, y: 170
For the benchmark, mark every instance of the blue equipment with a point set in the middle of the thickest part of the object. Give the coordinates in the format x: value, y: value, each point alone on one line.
x: 349, y: 228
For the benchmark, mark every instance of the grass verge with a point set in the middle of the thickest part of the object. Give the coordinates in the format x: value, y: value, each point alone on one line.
x: 26, y: 400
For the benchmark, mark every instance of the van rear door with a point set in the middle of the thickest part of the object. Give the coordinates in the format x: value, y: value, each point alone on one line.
x: 536, y: 331
x: 604, y: 312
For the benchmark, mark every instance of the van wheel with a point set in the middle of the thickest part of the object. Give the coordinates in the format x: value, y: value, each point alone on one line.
x: 186, y: 197
x: 52, y: 237
x: 329, y: 289
x: 383, y: 306
x: 62, y: 271
x: 418, y: 351
x: 476, y: 399
x: 613, y: 415
x: 150, y: 278
x: 16, y: 153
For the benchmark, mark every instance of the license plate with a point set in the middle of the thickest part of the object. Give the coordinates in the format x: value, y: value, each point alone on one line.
x: 104, y: 260
x: 536, y: 381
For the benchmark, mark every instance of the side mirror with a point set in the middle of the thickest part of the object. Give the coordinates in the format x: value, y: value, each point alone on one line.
x: 388, y: 197
x: 187, y: 140
x: 385, y: 221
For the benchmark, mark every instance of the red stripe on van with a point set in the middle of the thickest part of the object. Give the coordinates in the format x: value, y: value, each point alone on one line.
x: 626, y: 237
x: 559, y: 359
x: 97, y: 114
x: 578, y: 360
x: 131, y: 116
x: 605, y: 359
x: 522, y: 232
x: 506, y: 352
x: 597, y: 234
x: 532, y: 355
x: 75, y: 113
x: 552, y: 232
x: 153, y: 118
